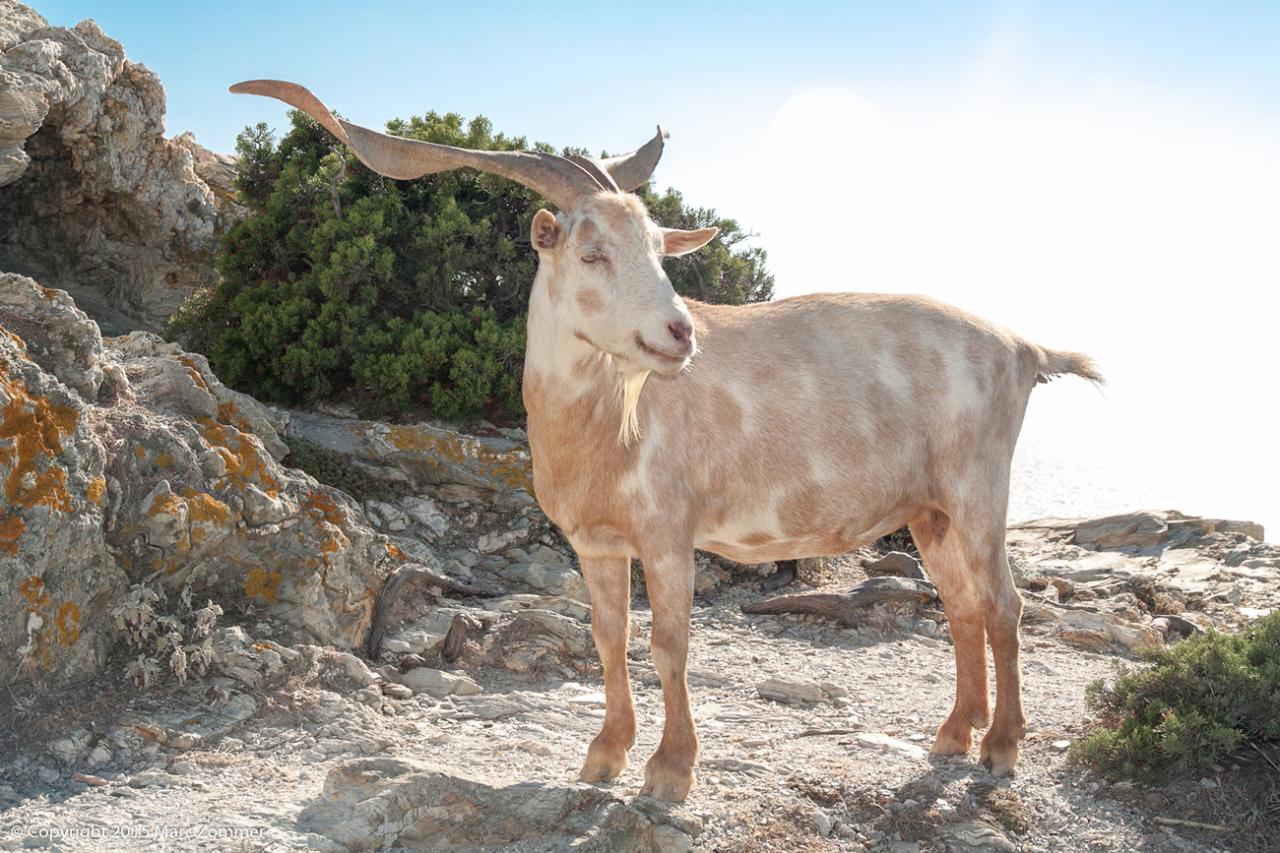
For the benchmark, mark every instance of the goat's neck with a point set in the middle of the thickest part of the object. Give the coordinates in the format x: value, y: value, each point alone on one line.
x: 566, y: 365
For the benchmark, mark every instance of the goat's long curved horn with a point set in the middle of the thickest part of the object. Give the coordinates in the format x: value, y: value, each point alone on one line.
x: 555, y: 178
x: 632, y: 170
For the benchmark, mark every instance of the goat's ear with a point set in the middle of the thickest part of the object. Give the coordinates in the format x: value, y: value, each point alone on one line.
x: 546, y: 231
x: 676, y: 242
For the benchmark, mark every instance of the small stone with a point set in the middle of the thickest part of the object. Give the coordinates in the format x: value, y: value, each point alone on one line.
x: 1206, y: 782
x: 396, y: 691
x: 790, y: 691
x: 822, y: 822
x: 439, y: 684
x: 1062, y: 745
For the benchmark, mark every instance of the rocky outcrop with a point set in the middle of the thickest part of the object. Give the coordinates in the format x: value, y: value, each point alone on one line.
x: 125, y: 460
x: 375, y: 803
x: 422, y: 454
x: 93, y: 198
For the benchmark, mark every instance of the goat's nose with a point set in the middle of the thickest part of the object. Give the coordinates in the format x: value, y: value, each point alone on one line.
x: 681, y: 330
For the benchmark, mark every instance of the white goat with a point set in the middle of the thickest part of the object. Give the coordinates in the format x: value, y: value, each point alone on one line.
x: 802, y: 427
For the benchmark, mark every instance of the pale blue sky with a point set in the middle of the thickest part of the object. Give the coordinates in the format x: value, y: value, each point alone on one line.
x: 1097, y: 176
x: 595, y: 74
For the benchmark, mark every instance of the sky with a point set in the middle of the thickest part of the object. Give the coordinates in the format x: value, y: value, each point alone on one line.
x: 1095, y: 176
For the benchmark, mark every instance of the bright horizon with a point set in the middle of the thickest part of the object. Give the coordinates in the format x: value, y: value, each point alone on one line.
x: 1099, y: 180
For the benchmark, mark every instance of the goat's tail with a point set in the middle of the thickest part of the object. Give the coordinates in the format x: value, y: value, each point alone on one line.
x: 1054, y: 363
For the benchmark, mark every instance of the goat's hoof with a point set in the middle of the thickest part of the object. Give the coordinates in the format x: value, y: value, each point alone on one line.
x: 944, y: 744
x: 999, y: 756
x: 667, y: 781
x: 605, y: 762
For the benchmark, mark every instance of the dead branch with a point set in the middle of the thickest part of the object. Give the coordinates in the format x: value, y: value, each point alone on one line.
x: 391, y: 592
x: 844, y: 608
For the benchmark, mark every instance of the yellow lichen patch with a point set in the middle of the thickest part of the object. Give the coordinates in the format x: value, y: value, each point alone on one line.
x: 11, y: 527
x: 94, y: 491
x: 205, y: 508
x: 330, y: 545
x: 67, y: 621
x: 32, y: 590
x: 396, y: 552
x: 13, y: 336
x: 34, y: 427
x: 263, y: 585
x: 245, y: 463
x: 323, y: 506
x: 229, y: 415
x: 507, y: 467
x: 193, y: 371
x: 168, y: 504
x: 164, y: 459
x: 139, y: 453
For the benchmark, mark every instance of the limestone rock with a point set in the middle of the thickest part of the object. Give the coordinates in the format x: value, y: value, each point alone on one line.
x: 375, y: 803
x: 550, y: 578
x: 152, y: 470
x: 424, y: 454
x: 438, y: 683
x: 93, y: 197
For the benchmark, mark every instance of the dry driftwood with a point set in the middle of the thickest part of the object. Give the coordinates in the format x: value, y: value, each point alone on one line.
x: 844, y: 608
x: 391, y: 591
x: 462, y: 627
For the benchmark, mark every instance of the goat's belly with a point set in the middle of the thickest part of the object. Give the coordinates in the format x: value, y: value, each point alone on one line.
x: 760, y: 550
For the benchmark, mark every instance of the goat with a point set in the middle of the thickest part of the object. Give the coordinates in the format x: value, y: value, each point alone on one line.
x: 802, y: 427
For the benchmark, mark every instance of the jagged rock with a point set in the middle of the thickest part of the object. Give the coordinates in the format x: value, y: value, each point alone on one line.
x: 152, y: 469
x: 425, y: 513
x: 538, y: 640
x: 550, y: 578
x: 375, y: 803
x: 1147, y: 532
x: 93, y: 197
x: 976, y: 837
x: 438, y: 683
x: 425, y: 454
x: 58, y: 580
x: 895, y: 564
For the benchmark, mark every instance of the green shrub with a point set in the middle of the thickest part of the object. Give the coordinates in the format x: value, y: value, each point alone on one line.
x: 399, y: 295
x: 333, y: 469
x: 1197, y: 701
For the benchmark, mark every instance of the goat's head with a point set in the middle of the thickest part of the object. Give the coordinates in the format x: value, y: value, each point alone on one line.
x: 602, y: 251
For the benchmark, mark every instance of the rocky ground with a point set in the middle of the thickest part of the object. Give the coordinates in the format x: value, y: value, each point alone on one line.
x: 814, y: 735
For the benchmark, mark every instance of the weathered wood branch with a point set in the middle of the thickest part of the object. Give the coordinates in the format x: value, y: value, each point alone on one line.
x: 391, y: 592
x: 844, y: 608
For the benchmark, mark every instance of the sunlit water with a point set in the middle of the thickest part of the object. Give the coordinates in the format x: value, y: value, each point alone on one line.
x: 1085, y: 454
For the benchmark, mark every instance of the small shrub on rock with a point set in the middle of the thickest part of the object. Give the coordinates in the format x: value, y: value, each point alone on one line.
x: 1198, y: 701
x: 180, y: 641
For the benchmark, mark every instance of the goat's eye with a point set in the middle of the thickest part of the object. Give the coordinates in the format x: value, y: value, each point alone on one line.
x: 593, y: 258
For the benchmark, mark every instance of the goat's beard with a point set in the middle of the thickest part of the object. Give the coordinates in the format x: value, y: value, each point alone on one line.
x: 631, y: 383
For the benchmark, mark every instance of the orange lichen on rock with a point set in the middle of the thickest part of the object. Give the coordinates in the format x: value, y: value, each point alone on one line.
x: 11, y: 527
x: 67, y: 621
x: 507, y: 467
x: 94, y: 491
x: 325, y: 507
x: 164, y: 459
x: 169, y: 504
x: 245, y: 462
x: 263, y: 585
x: 229, y: 415
x: 193, y: 371
x: 396, y: 552
x: 13, y: 336
x: 34, y: 429
x: 202, y: 507
x: 32, y: 590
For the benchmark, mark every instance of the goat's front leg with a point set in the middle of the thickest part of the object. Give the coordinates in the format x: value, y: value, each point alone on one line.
x: 669, y: 579
x: 609, y: 580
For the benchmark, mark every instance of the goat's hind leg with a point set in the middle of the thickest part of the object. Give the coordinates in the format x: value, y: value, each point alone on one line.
x: 962, y: 597
x: 609, y: 580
